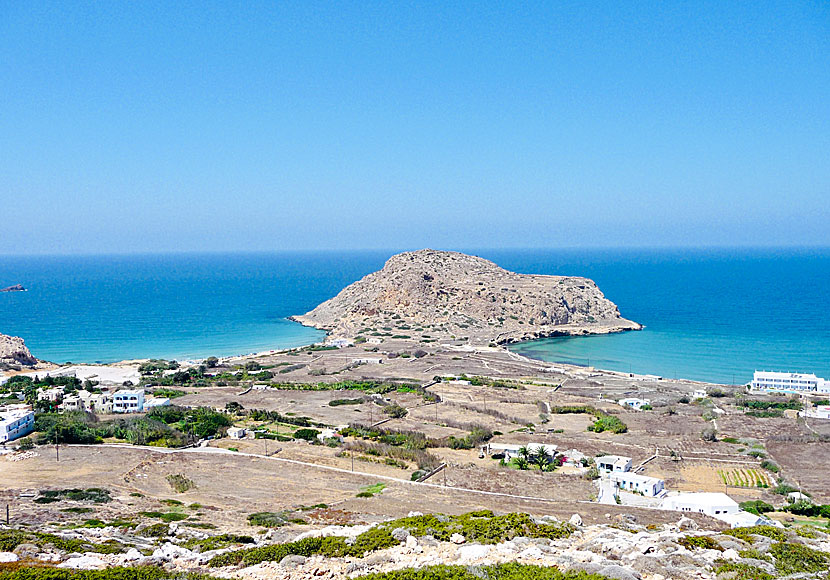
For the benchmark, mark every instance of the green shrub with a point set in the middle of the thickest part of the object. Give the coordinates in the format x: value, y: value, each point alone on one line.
x: 770, y: 466
x: 746, y: 534
x: 796, y: 558
x: 306, y: 434
x: 736, y: 571
x: 340, y: 402
x: 93, y: 494
x: 117, y: 573
x: 757, y: 507
x: 165, y: 516
x: 699, y: 542
x: 608, y: 423
x: 180, y: 483
x: 274, y: 519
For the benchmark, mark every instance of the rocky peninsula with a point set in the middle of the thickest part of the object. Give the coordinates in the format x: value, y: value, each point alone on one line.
x: 14, y: 351
x: 439, y: 295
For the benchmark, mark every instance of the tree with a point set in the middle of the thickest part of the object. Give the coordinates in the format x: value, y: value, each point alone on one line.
x: 211, y: 362
x: 540, y: 457
x: 521, y: 462
x: 709, y: 434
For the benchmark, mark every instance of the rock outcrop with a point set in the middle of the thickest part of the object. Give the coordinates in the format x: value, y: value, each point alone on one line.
x: 431, y: 295
x: 14, y: 351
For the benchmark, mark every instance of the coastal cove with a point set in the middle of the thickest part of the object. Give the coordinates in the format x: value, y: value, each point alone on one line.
x: 708, y: 315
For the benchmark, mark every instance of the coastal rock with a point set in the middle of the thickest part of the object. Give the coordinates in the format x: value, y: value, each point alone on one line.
x: 14, y: 351
x: 449, y: 294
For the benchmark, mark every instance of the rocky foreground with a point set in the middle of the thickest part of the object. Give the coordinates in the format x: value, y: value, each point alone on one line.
x: 14, y: 352
x: 433, y: 295
x: 621, y: 550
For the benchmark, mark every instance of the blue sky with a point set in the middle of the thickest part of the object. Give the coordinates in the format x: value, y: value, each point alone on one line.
x: 160, y: 126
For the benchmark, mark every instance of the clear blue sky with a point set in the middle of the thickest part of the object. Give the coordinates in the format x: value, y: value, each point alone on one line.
x: 170, y: 126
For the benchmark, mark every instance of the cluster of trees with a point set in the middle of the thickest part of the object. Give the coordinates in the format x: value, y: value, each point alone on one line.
x: 540, y: 457
x: 168, y: 426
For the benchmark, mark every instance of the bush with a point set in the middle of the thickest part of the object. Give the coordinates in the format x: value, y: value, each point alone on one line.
x: 507, y: 571
x: 306, y: 434
x: 746, y: 534
x: 770, y: 466
x: 93, y: 494
x: 699, y: 542
x: 796, y: 558
x: 395, y: 411
x: 709, y: 434
x: 608, y: 423
x: 757, y: 507
x: 340, y: 402
x: 738, y: 571
x: 180, y: 483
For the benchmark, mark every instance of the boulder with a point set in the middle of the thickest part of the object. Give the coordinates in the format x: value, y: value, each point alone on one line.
x: 6, y: 557
x: 619, y: 573
x: 84, y: 563
x: 292, y: 561
x: 457, y: 539
x: 400, y: 534
x: 576, y: 520
x: 472, y: 552
x: 685, y: 523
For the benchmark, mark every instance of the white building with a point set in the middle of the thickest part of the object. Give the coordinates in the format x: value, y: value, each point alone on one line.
x: 709, y: 503
x: 52, y: 395
x: 636, y: 483
x: 340, y: 342
x: 633, y: 403
x: 16, y: 424
x: 328, y: 433
x: 150, y: 402
x: 375, y: 360
x: 797, y: 496
x: 817, y: 412
x: 128, y: 401
x: 700, y: 394
x: 237, y: 432
x: 374, y: 340
x: 612, y: 463
x: 789, y: 382
x: 84, y: 400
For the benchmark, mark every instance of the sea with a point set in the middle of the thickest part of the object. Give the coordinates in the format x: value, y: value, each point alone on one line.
x: 711, y: 315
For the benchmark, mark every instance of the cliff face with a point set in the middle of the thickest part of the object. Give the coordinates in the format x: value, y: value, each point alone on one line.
x: 13, y: 351
x: 439, y: 295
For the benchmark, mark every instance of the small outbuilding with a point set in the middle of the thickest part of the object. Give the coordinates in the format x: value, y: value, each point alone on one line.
x: 636, y: 483
x: 611, y: 463
x: 237, y: 432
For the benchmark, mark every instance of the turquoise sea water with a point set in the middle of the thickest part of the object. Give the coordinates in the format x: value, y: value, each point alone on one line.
x: 709, y: 315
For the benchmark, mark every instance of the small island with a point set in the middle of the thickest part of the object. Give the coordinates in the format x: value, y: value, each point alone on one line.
x: 443, y: 296
x: 15, y: 288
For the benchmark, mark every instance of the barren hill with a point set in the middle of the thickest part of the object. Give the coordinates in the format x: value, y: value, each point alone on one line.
x: 438, y: 295
x: 13, y: 351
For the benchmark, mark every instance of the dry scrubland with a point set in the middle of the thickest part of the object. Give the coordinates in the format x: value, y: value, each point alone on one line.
x: 230, y: 479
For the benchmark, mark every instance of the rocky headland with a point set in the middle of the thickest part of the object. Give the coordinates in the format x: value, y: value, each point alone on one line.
x: 14, y: 351
x: 438, y: 295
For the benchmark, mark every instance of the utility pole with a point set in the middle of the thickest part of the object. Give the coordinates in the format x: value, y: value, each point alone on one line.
x: 352, y: 456
x: 7, y: 514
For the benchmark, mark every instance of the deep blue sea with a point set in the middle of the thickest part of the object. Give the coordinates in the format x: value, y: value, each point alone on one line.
x: 711, y: 315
